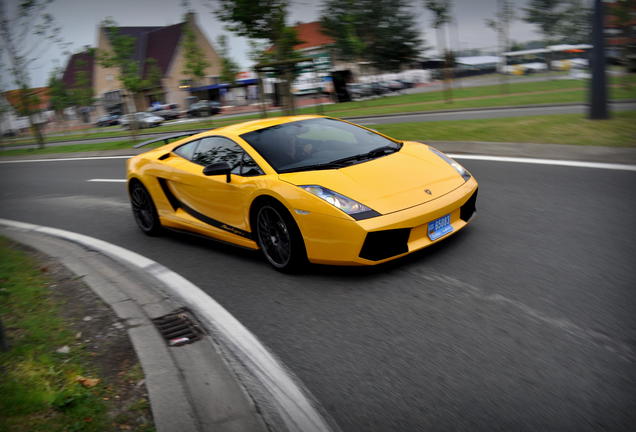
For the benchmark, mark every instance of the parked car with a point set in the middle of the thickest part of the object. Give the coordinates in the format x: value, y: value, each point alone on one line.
x: 204, y: 108
x: 144, y: 120
x: 10, y: 133
x: 166, y: 111
x: 394, y: 85
x: 108, y: 120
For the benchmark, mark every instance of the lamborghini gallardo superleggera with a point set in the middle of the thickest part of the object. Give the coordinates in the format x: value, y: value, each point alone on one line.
x: 303, y: 188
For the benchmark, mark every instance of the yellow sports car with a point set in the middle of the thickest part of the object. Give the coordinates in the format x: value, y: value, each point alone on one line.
x: 303, y: 188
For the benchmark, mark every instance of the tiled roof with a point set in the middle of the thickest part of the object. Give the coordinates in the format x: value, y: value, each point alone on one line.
x: 42, y: 93
x: 159, y: 43
x: 162, y: 44
x: 80, y: 62
x: 311, y: 36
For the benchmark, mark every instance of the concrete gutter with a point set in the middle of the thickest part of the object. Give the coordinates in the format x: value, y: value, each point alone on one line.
x: 227, y: 381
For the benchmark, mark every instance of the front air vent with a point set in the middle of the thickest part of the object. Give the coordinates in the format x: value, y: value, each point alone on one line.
x: 384, y: 244
x: 468, y: 209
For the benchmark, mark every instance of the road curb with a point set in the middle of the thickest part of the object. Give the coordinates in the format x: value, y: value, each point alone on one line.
x: 225, y: 382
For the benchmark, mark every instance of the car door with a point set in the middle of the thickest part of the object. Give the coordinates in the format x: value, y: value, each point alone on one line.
x: 213, y: 200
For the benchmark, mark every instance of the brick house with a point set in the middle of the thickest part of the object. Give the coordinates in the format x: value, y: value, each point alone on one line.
x: 165, y: 46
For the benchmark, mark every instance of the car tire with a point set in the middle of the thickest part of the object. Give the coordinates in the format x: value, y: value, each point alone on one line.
x: 144, y: 209
x: 279, y: 238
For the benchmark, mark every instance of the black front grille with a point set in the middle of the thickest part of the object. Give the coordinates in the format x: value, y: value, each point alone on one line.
x: 384, y: 244
x: 468, y: 209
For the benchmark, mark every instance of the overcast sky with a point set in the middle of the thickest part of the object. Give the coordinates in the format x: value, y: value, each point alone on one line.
x: 80, y: 18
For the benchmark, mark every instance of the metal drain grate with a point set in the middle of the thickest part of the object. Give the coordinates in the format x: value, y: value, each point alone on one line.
x: 178, y: 328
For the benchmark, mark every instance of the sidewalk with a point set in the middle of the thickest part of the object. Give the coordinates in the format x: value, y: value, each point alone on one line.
x: 191, y: 388
x: 203, y: 370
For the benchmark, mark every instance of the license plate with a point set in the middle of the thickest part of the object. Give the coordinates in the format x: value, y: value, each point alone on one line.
x: 439, y: 227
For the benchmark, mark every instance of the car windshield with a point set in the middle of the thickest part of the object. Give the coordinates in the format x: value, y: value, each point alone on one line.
x: 319, y: 143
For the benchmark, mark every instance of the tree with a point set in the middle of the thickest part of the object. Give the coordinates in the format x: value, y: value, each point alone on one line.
x: 382, y: 33
x: 229, y: 68
x: 622, y: 11
x: 546, y: 15
x: 501, y: 24
x: 265, y: 19
x: 559, y: 21
x: 59, y: 98
x: 255, y: 19
x: 575, y: 25
x: 82, y: 95
x: 25, y: 36
x: 131, y: 72
x: 195, y: 61
x: 441, y: 10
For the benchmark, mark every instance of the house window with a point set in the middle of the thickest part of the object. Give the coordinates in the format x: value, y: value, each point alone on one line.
x: 185, y: 84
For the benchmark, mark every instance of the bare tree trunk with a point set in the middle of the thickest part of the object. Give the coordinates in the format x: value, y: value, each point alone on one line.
x: 289, y: 76
x: 133, y: 126
x: 448, y: 95
x: 36, y: 131
x: 261, y: 95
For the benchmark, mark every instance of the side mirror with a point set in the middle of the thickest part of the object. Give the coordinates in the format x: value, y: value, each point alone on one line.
x: 218, y: 169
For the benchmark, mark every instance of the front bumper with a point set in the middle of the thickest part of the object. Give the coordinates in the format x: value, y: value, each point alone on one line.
x: 373, y: 241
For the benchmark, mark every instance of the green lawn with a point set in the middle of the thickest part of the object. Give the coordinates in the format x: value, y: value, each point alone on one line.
x: 575, y: 129
x: 38, y: 386
x: 619, y: 131
x: 521, y: 93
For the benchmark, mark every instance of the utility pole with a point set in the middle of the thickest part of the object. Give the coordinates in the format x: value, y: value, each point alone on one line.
x: 598, y: 83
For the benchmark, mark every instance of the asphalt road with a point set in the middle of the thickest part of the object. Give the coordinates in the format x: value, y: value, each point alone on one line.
x: 468, y: 114
x: 524, y: 321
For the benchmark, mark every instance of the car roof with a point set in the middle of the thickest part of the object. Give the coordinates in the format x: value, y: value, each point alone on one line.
x: 241, y: 128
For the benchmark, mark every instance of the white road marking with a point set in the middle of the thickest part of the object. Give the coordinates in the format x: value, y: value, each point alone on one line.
x: 296, y: 405
x: 570, y: 163
x: 65, y: 159
x: 107, y: 180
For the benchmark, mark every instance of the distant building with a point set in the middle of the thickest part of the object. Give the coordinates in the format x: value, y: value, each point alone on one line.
x: 12, y: 108
x: 165, y: 46
x: 79, y: 70
x: 78, y: 76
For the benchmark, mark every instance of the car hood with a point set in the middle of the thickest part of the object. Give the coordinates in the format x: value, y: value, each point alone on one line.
x: 389, y: 183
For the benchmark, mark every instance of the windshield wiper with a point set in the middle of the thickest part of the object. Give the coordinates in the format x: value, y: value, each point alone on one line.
x: 343, y: 162
x: 376, y: 152
x: 322, y: 166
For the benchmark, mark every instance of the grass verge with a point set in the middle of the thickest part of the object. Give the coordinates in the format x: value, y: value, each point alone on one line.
x: 619, y: 131
x: 521, y: 93
x: 43, y: 389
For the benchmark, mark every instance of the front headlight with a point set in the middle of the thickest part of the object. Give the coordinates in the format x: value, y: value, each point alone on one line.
x: 460, y: 169
x: 351, y: 207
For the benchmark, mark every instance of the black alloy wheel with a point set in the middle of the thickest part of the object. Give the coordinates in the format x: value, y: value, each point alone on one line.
x: 144, y: 209
x: 279, y: 238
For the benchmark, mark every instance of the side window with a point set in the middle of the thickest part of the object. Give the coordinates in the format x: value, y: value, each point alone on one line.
x: 186, y: 151
x: 217, y: 149
x: 249, y: 168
